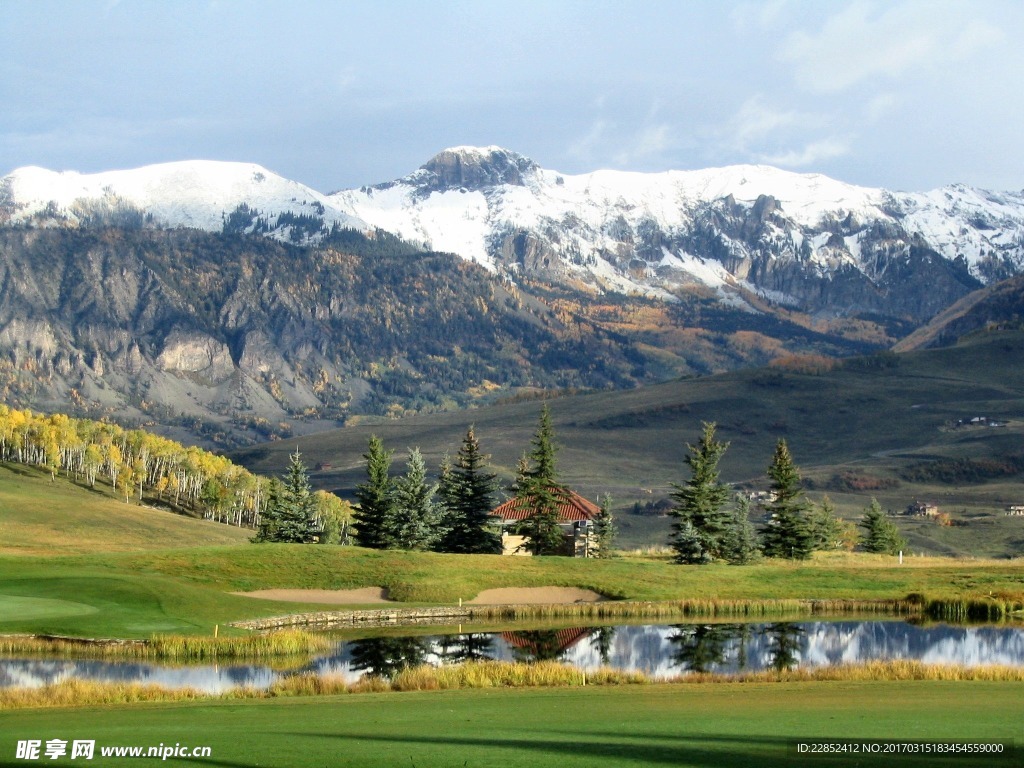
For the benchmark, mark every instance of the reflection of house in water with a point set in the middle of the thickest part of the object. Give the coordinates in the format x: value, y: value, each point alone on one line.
x: 576, y: 517
x: 544, y: 644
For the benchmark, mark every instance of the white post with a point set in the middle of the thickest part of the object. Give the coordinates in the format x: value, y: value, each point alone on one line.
x: 901, y: 557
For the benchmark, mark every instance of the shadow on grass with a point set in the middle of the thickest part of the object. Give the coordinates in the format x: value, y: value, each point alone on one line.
x: 702, y: 750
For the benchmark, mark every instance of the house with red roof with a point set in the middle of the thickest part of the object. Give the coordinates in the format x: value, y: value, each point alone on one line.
x: 576, y: 517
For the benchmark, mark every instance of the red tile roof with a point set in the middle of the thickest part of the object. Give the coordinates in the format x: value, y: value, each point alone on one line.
x: 563, y: 639
x: 571, y: 508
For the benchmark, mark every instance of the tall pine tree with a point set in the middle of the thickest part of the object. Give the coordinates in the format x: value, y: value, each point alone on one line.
x: 740, y: 545
x: 700, y: 503
x: 604, y: 529
x: 373, y: 518
x: 880, y: 534
x: 467, y: 490
x: 266, y: 530
x: 296, y: 507
x: 415, y: 514
x: 788, y: 533
x: 538, y: 492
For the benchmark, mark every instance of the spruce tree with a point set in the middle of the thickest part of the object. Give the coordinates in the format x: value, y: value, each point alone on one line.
x: 467, y: 490
x: 373, y: 516
x: 604, y: 529
x: 880, y: 534
x: 740, y: 544
x: 787, y: 533
x: 538, y: 492
x: 296, y: 516
x: 826, y: 528
x: 266, y: 531
x: 415, y: 514
x: 700, y: 502
x: 688, y: 546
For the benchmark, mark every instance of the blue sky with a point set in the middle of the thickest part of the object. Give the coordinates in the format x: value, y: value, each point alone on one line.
x: 908, y: 95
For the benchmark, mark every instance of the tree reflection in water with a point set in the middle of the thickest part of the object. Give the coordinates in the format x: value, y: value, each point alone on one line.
x: 698, y: 647
x: 476, y: 646
x: 386, y: 656
x: 785, y: 644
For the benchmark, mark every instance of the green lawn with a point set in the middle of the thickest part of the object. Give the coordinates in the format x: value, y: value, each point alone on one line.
x: 43, y: 517
x: 188, y: 590
x: 677, y: 725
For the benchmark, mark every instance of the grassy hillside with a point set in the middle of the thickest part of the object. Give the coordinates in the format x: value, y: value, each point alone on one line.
x: 40, y: 516
x: 878, y: 417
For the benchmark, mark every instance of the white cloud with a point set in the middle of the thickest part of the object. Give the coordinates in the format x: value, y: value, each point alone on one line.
x: 585, y: 147
x: 757, y: 120
x: 650, y: 141
x: 812, y: 153
x: 759, y: 16
x: 863, y: 41
x: 879, y: 106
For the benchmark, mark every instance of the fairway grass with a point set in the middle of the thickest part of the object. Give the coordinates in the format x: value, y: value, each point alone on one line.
x: 40, y: 516
x: 187, y: 591
x: 750, y: 724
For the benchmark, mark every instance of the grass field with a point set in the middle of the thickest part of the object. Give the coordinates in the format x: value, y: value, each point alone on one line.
x: 692, y: 725
x: 187, y: 590
x: 38, y: 516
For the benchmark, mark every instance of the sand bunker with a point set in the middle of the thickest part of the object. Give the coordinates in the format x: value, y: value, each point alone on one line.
x: 329, y: 596
x: 535, y: 595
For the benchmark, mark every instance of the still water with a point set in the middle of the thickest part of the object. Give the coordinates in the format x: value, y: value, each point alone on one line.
x: 658, y: 650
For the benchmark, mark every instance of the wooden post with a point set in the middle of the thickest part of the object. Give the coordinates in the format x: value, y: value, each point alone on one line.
x: 216, y: 627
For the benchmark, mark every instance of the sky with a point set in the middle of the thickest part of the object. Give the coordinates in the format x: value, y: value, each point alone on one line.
x: 909, y: 95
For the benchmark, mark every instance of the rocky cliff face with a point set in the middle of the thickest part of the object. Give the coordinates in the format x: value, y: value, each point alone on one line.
x: 231, y: 339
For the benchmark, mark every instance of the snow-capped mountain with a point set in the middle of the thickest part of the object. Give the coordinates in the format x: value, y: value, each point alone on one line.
x: 799, y: 240
x: 783, y: 235
x: 200, y: 194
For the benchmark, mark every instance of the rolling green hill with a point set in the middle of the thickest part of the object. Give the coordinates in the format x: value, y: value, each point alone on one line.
x: 884, y: 425
x: 40, y: 516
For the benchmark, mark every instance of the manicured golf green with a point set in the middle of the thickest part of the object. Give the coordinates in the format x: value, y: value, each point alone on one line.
x: 680, y: 725
x: 37, y: 608
x: 189, y: 590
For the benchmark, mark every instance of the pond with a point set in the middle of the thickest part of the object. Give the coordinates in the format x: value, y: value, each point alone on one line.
x: 660, y: 651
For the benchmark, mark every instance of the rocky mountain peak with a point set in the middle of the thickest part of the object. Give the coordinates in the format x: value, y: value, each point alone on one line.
x: 475, y: 168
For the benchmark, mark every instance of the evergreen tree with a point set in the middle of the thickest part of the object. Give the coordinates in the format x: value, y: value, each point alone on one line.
x: 700, y: 502
x: 827, y: 529
x: 688, y: 545
x: 740, y: 544
x: 881, y: 534
x: 296, y: 509
x: 467, y: 491
x: 538, y: 491
x: 267, y: 531
x: 415, y: 515
x: 787, y: 533
x: 373, y: 517
x: 604, y: 529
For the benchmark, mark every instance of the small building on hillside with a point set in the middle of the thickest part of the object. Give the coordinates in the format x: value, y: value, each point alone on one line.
x: 1015, y: 510
x: 922, y: 509
x: 576, y: 517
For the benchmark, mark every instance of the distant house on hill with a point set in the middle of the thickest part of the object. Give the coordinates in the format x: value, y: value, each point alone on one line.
x: 1015, y: 510
x: 576, y: 517
x: 922, y: 509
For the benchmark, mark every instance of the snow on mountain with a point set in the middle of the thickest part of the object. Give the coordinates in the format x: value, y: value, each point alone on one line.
x: 197, y: 193
x: 724, y: 228
x: 803, y: 240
